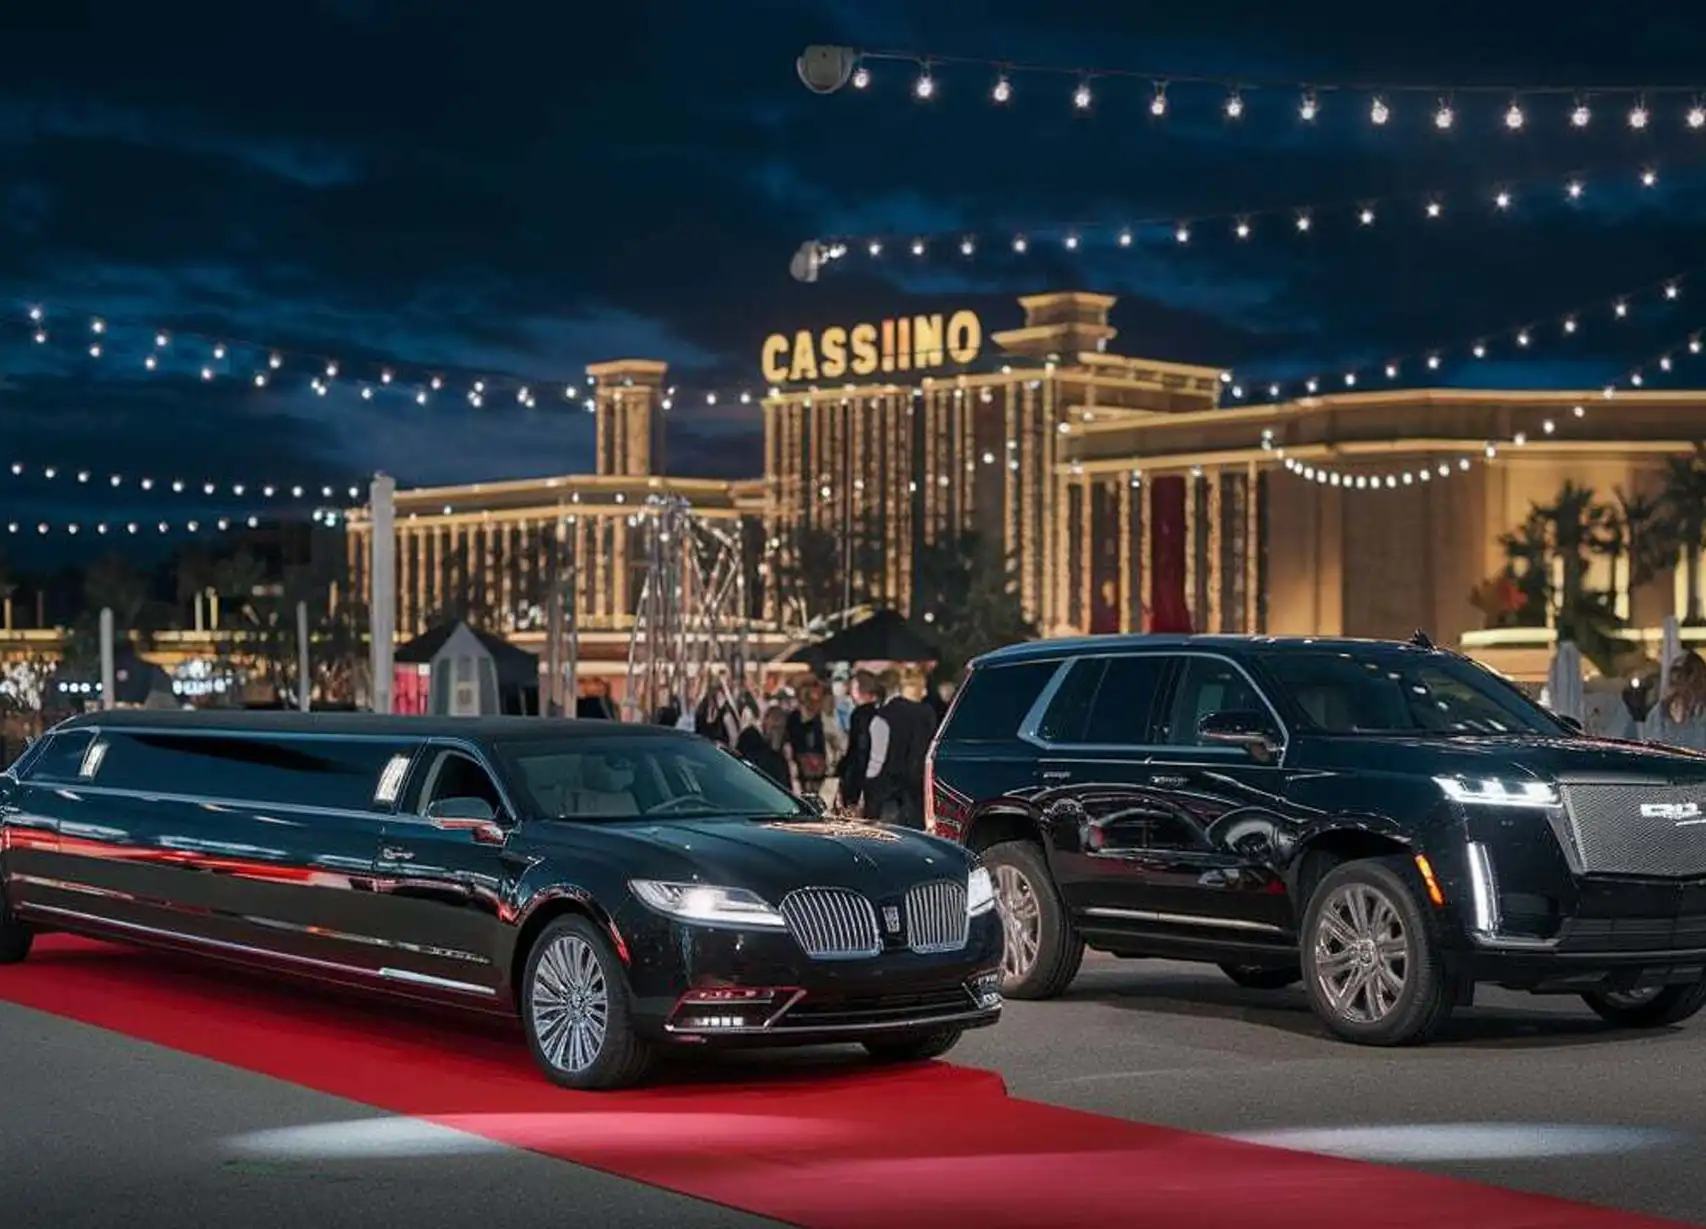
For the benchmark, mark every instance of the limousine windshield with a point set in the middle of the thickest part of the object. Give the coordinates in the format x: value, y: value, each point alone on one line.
x: 592, y: 778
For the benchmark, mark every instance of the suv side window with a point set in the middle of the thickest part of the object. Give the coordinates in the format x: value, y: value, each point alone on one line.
x: 996, y: 700
x: 1105, y: 701
x: 1208, y: 685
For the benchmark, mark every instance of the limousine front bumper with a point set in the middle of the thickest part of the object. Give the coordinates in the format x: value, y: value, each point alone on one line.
x: 697, y: 985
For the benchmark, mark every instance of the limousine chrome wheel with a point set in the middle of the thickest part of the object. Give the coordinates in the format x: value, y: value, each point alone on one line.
x: 1369, y: 960
x: 1042, y: 951
x: 576, y: 1011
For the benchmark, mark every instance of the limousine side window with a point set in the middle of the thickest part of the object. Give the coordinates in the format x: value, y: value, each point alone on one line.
x: 62, y: 759
x: 455, y: 775
x: 311, y: 772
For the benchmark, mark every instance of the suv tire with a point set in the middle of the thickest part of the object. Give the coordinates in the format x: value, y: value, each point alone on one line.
x: 15, y: 936
x: 1371, y: 966
x: 1262, y: 977
x: 1671, y: 1005
x: 1035, y: 923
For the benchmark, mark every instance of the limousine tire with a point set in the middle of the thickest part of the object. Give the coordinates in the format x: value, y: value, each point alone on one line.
x: 915, y: 1047
x: 1658, y: 1008
x: 577, y: 1012
x: 1370, y: 962
x: 1043, y: 952
x: 15, y: 937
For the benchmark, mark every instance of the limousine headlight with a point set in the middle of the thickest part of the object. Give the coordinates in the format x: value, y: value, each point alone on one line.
x: 1492, y: 792
x: 707, y: 905
x: 980, y: 892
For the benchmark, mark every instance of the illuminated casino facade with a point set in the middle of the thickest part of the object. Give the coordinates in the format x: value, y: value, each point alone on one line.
x: 1123, y: 495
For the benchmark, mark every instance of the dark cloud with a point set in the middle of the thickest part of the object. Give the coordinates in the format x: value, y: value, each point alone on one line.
x: 516, y: 189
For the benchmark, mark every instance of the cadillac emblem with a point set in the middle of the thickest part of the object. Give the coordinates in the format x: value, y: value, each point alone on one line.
x: 1681, y: 812
x: 891, y: 918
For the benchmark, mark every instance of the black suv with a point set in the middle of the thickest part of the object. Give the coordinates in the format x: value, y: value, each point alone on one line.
x: 1390, y: 823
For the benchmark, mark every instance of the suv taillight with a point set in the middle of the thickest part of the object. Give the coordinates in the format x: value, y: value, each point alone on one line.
x: 930, y: 758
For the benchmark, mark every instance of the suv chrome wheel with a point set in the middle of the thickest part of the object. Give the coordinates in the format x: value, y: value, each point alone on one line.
x: 570, y: 1004
x: 1021, y: 921
x: 1361, y: 953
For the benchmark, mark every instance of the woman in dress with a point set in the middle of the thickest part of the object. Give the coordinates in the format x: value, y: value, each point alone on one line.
x: 1682, y: 711
x: 762, y: 746
x: 808, y: 742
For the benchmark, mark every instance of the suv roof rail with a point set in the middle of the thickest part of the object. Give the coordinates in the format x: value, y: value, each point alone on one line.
x: 1422, y: 640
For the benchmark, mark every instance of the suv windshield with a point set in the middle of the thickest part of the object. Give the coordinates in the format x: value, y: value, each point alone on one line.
x: 1384, y: 693
x: 593, y: 778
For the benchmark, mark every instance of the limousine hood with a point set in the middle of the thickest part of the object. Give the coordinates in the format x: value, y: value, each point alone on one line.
x: 774, y: 856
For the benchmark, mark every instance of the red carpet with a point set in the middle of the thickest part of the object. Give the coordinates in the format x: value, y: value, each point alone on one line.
x: 845, y: 1148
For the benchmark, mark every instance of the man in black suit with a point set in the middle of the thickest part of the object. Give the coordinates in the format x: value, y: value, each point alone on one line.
x: 900, y: 738
x: 867, y: 694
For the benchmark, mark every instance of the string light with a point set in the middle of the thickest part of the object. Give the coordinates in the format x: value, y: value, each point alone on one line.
x: 1515, y: 116
x: 1618, y: 308
x: 1242, y: 223
x: 180, y: 486
x: 1365, y: 480
x: 122, y: 528
x: 1003, y: 90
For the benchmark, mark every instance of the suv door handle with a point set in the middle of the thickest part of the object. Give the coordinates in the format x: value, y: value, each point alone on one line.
x: 1167, y: 781
x: 392, y: 853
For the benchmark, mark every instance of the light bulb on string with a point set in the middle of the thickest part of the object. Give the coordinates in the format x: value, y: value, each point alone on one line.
x: 1158, y: 101
x: 1234, y: 105
x: 366, y: 393
x: 1125, y: 238
x: 331, y: 371
x: 918, y: 247
x: 1574, y: 189
x: 1514, y: 117
x: 1365, y: 216
x: 1019, y: 243
x: 219, y: 351
x: 260, y: 379
x: 1071, y: 242
x: 1580, y: 116
x: 967, y: 247
x: 1522, y: 338
x: 1664, y: 363
x: 275, y: 361
x: 35, y: 314
x: 1242, y: 229
x: 1309, y: 107
x: 1303, y: 222
x: 1392, y: 371
x: 1182, y: 233
x: 1434, y: 209
x: 95, y: 350
x: 861, y: 77
x: 925, y: 86
x: 1621, y: 309
x: 1003, y: 89
x: 97, y: 325
x: 1569, y: 324
x: 1379, y: 112
x: 1502, y: 200
x: 1081, y: 97
x: 207, y: 373
x: 1479, y: 350
x: 41, y: 337
x: 875, y: 248
x: 1672, y: 290
x: 151, y: 362
x: 437, y: 383
x: 1694, y: 345
x: 161, y: 340
x: 1638, y: 116
x: 1433, y: 362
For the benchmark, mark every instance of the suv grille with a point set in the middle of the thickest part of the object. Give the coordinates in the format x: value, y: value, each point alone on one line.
x: 936, y: 917
x: 832, y: 923
x: 1613, y: 837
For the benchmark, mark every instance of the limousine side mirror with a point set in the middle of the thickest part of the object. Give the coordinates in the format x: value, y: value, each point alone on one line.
x: 1252, y: 731
x: 1574, y: 723
x: 472, y: 815
x: 815, y: 804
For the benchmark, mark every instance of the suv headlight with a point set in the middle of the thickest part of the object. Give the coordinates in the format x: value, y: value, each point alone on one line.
x: 1495, y: 792
x: 980, y: 892
x: 705, y: 905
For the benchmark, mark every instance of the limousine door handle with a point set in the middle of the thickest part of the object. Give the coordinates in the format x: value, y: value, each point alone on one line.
x: 391, y: 853
x: 1058, y: 774
x: 1167, y: 781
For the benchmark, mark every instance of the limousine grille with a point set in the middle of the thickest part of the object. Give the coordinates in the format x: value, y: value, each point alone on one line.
x: 1657, y: 830
x: 832, y: 923
x: 936, y: 918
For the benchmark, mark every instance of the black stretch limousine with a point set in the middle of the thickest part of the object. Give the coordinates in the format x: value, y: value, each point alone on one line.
x: 624, y: 888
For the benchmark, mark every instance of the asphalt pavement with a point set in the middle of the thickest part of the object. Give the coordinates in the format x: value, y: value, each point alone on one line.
x: 102, y: 1130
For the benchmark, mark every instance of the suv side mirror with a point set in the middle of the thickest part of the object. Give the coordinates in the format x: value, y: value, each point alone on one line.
x: 1250, y: 730
x: 1574, y: 723
x: 814, y: 803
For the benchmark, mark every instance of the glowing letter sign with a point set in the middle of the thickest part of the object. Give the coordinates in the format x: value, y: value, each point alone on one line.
x: 904, y: 343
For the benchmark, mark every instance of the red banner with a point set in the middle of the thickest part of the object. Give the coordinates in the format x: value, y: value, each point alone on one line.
x: 1168, y: 611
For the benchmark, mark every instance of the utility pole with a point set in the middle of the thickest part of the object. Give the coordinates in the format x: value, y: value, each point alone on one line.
x: 382, y: 608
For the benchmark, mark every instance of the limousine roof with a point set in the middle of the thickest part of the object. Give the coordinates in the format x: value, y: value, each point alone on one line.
x: 355, y: 725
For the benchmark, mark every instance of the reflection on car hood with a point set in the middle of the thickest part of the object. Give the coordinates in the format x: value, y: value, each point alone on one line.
x: 775, y: 856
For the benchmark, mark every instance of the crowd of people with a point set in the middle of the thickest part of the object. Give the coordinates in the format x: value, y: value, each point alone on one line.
x: 858, y: 743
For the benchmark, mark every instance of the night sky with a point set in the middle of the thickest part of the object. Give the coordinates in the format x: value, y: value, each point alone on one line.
x: 512, y: 190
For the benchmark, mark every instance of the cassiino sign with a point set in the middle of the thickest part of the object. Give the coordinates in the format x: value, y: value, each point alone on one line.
x: 904, y: 343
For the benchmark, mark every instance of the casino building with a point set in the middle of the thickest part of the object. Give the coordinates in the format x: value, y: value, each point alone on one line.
x: 1121, y: 493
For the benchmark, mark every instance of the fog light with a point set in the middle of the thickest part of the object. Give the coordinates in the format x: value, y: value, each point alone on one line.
x: 730, y: 994
x: 730, y: 1008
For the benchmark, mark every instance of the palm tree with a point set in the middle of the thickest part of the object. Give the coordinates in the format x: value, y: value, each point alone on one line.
x: 969, y: 596
x: 1569, y: 532
x: 1682, y: 503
